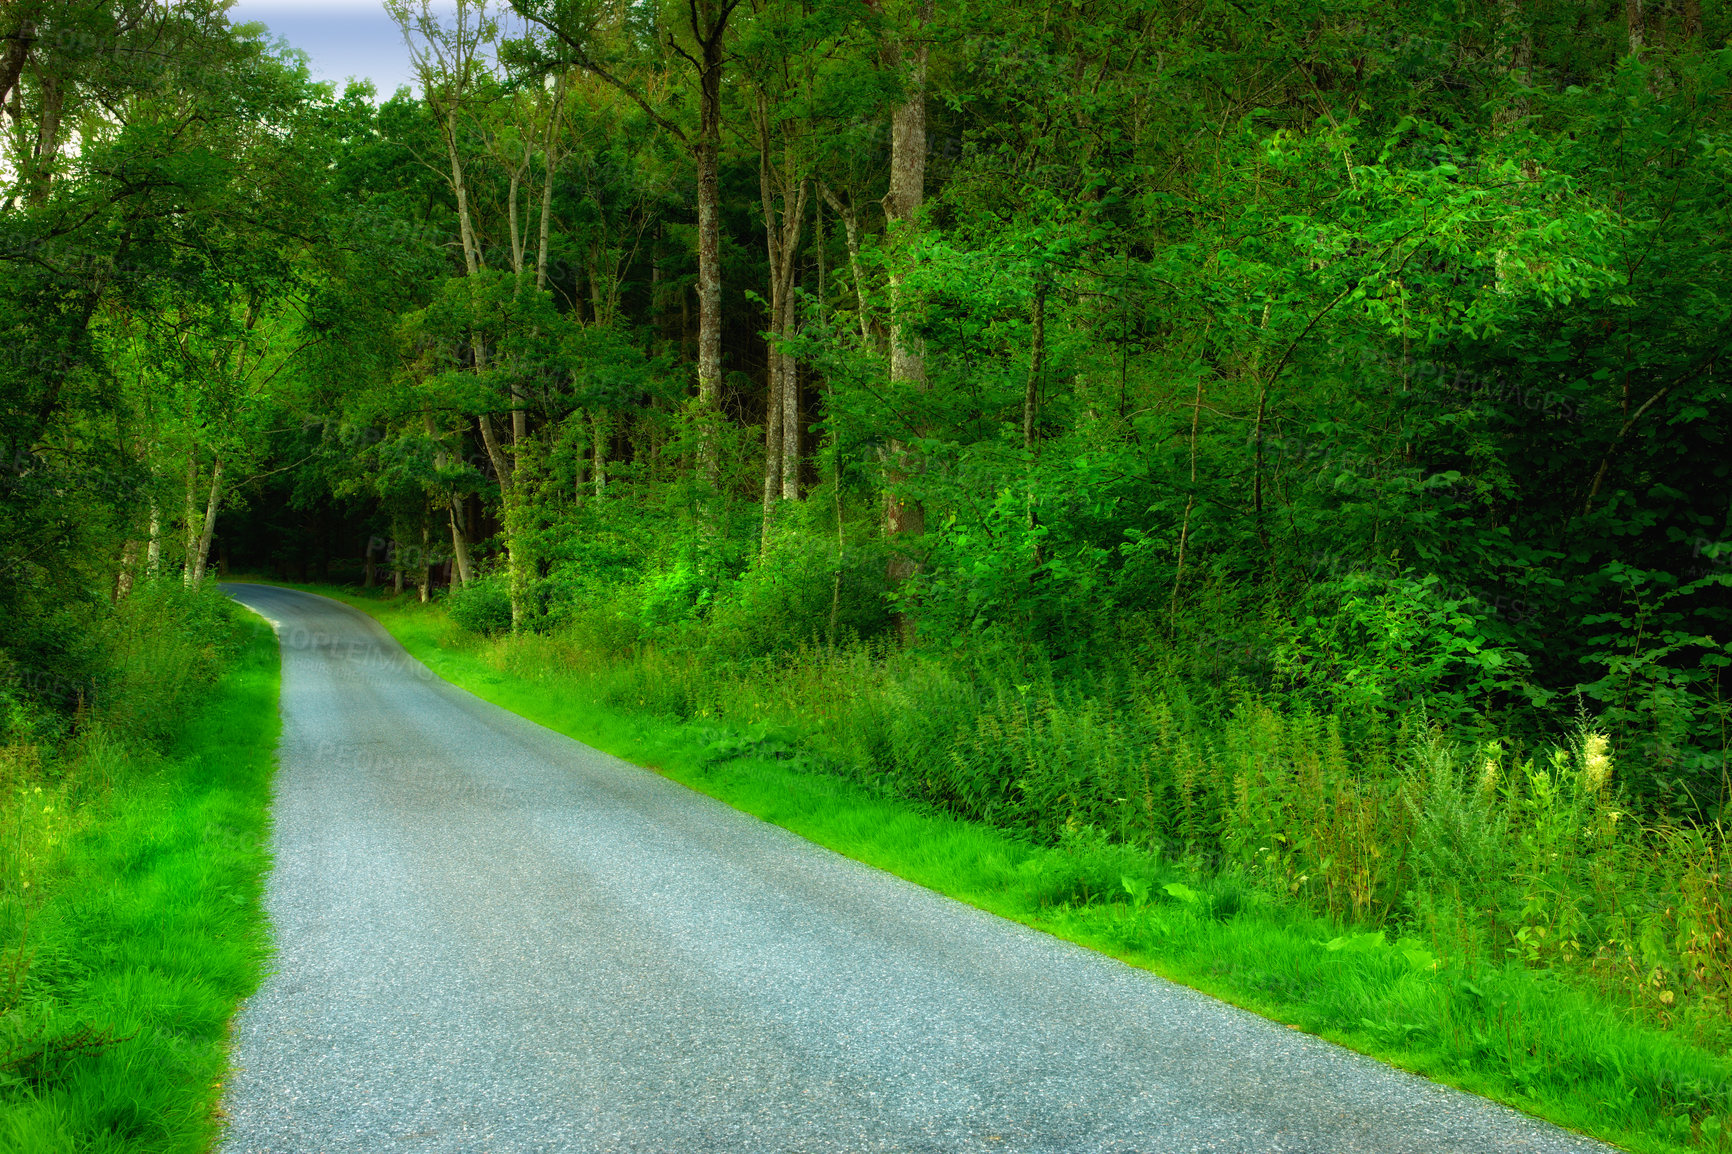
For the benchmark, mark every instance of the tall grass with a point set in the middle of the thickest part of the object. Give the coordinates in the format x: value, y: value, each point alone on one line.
x: 1499, y: 852
x: 131, y: 853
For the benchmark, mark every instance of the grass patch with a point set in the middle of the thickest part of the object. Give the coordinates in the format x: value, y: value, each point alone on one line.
x: 1527, y: 1036
x: 133, y: 923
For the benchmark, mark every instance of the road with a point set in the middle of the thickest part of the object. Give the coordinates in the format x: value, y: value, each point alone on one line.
x: 493, y: 938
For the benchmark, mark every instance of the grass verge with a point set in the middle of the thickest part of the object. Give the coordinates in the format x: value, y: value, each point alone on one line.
x: 1519, y: 1035
x: 143, y: 932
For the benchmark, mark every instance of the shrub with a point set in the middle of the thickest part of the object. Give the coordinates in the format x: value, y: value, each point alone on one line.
x: 482, y: 606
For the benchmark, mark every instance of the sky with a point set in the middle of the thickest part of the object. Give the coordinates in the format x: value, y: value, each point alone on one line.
x: 344, y: 38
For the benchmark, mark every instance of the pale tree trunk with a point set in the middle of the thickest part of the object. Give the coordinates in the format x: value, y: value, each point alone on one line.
x: 713, y: 15
x: 601, y: 429
x: 123, y: 580
x: 472, y: 262
x: 709, y: 305
x: 791, y: 439
x: 833, y: 420
x: 1031, y: 399
x: 772, y: 446
x: 153, y: 550
x: 904, y: 518
x: 851, y: 229
x: 459, y: 544
x: 550, y: 156
x: 424, y: 571
x: 1636, y: 24
x: 516, y: 563
x: 192, y: 526
x: 518, y: 239
x: 782, y: 246
x: 208, y: 530
x: 1190, y: 500
x: 47, y: 137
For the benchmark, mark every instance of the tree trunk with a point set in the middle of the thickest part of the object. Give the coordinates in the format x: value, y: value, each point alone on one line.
x: 772, y: 444
x: 192, y: 526
x: 1637, y: 26
x: 424, y: 571
x: 707, y: 152
x: 709, y: 305
x: 790, y: 390
x: 517, y: 237
x: 515, y: 562
x: 1037, y: 353
x: 599, y: 428
x: 208, y: 530
x: 47, y: 137
x: 905, y: 518
x: 459, y: 547
x: 550, y: 157
x: 153, y: 551
x: 851, y: 229
x: 128, y: 559
x: 18, y: 45
x: 1031, y: 399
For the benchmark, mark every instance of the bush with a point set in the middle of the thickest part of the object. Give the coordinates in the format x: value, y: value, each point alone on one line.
x: 482, y: 606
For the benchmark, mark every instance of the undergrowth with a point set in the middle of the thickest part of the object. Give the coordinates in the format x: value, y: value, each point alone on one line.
x: 132, y: 847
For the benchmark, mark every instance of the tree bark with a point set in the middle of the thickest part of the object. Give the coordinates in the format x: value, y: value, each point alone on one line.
x: 790, y: 366
x: 459, y: 547
x: 1031, y: 400
x: 516, y: 563
x: 1037, y: 354
x: 709, y: 305
x: 904, y: 517
x: 18, y: 44
x: 192, y: 526
x: 550, y: 157
x: 600, y: 427
x: 47, y: 137
x: 851, y: 229
x: 772, y: 445
x: 123, y: 580
x: 424, y: 571
x: 153, y: 550
x: 208, y: 529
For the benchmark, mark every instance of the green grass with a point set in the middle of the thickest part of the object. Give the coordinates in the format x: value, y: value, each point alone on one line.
x: 144, y: 931
x: 1523, y: 1036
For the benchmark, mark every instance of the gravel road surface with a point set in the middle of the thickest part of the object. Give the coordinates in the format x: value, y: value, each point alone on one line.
x: 493, y: 938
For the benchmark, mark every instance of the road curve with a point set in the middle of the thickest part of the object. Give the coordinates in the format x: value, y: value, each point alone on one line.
x: 493, y: 938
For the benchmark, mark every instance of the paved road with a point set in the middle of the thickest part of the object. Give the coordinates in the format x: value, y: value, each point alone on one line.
x: 493, y: 938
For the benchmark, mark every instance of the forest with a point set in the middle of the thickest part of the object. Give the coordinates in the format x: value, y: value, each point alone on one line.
x: 1288, y: 438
